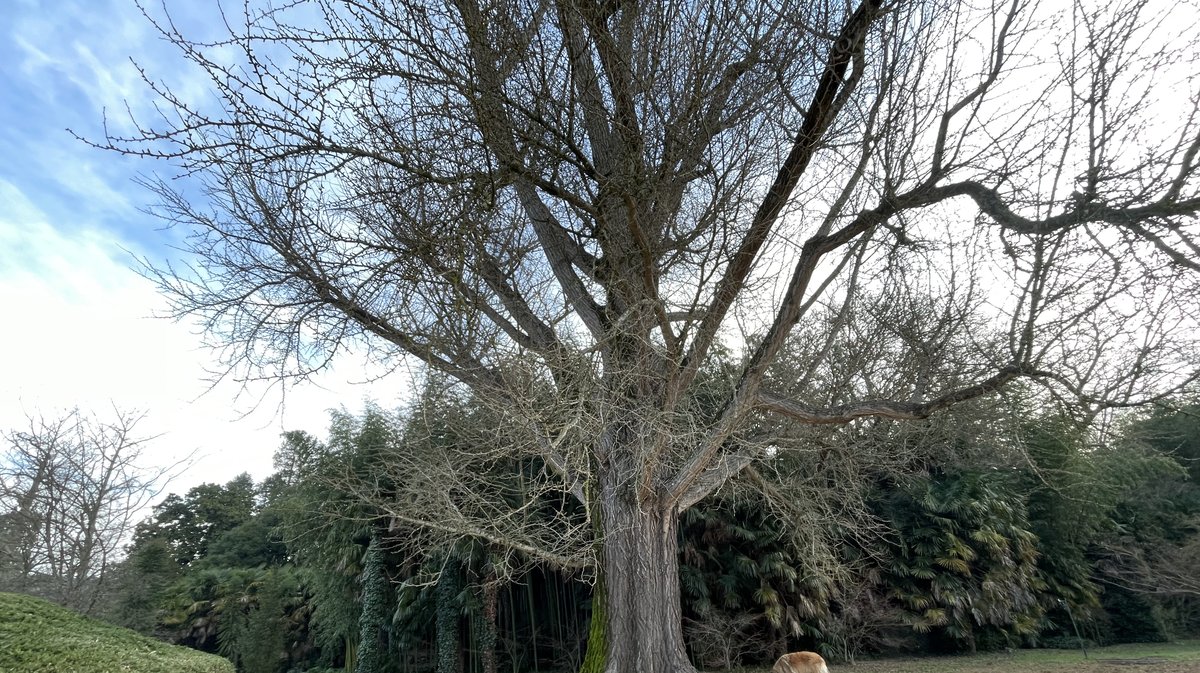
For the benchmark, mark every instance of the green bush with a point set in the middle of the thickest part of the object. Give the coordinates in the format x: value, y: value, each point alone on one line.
x: 1133, y: 618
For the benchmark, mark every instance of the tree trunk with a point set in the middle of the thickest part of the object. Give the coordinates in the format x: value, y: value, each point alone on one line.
x: 491, y: 597
x: 640, y: 588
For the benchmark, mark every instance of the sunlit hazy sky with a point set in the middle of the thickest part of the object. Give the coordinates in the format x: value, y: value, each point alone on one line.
x: 75, y: 320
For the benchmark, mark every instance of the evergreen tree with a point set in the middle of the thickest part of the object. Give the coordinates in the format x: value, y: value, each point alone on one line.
x: 143, y: 582
x: 324, y: 523
x: 263, y: 646
x: 1069, y: 497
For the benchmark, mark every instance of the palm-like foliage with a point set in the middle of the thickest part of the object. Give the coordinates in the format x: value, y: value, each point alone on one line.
x: 257, y: 617
x: 200, y: 602
x: 736, y: 561
x: 965, y: 562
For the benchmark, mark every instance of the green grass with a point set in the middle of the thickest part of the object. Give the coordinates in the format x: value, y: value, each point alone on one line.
x: 1179, y: 657
x: 39, y: 637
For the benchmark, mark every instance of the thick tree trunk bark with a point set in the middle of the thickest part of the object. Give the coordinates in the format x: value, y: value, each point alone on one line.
x: 640, y: 587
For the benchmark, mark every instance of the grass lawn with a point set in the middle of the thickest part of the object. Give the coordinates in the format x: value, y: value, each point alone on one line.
x: 1180, y: 657
x: 39, y: 637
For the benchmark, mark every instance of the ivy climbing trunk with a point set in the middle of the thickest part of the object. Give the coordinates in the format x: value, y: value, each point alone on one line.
x: 448, y: 640
x: 373, y: 617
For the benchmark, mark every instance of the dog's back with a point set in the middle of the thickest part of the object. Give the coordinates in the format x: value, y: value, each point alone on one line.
x: 800, y: 662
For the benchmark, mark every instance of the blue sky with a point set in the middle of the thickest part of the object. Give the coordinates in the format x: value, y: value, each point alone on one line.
x: 77, y: 327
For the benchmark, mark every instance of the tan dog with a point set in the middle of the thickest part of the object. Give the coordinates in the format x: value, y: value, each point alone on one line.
x: 800, y: 662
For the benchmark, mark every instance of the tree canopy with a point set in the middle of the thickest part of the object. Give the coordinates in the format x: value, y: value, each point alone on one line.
x: 574, y: 207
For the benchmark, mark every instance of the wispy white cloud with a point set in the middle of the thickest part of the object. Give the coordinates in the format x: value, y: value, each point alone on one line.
x: 80, y: 55
x: 77, y: 326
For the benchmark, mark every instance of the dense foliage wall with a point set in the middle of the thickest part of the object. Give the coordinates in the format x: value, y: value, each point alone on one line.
x: 1039, y: 539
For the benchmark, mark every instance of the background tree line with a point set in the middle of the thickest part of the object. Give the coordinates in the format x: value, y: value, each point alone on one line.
x: 995, y: 526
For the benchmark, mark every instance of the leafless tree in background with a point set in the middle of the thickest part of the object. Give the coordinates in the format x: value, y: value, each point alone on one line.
x: 70, y: 489
x: 1167, y: 570
x: 572, y: 206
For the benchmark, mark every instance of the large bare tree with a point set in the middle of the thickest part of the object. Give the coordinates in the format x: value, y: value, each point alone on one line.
x: 571, y: 206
